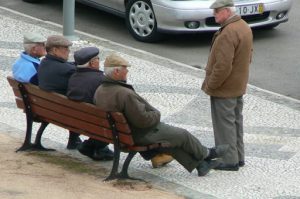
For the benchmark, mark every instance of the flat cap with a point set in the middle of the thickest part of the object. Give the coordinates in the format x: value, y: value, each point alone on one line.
x: 84, y: 55
x: 115, y: 60
x: 33, y: 37
x: 57, y: 40
x: 221, y: 4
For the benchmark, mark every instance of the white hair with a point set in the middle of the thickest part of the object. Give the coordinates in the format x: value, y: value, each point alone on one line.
x: 108, y: 71
x: 86, y: 65
x: 232, y: 9
x: 83, y: 65
x: 28, y: 47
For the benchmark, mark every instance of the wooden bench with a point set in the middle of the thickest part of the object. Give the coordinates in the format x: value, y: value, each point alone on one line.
x: 86, y: 119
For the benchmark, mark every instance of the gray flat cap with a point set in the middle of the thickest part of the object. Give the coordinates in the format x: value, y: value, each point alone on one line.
x: 57, y: 40
x: 32, y: 37
x: 115, y: 60
x: 84, y: 55
x: 221, y: 4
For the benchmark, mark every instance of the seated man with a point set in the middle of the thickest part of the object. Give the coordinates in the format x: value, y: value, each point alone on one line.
x: 115, y: 94
x: 54, y: 73
x: 81, y: 87
x: 25, y: 67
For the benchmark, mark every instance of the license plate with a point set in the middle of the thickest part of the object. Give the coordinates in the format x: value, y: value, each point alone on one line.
x: 250, y: 9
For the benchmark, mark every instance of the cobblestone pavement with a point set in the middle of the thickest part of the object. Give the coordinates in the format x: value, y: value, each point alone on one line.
x: 272, y: 122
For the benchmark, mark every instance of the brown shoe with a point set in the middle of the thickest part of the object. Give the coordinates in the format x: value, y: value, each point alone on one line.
x: 161, y: 160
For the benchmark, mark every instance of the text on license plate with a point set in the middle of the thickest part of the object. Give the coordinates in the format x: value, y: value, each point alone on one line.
x: 250, y: 9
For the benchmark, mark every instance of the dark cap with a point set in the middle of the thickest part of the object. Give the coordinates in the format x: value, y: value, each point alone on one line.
x: 115, y: 60
x: 32, y: 37
x: 221, y: 4
x: 84, y: 55
x: 57, y: 40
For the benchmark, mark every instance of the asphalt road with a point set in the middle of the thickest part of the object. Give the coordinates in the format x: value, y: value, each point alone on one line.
x: 275, y: 66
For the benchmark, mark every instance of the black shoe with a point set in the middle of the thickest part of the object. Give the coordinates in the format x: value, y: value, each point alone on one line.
x: 241, y: 163
x: 86, y: 148
x: 205, y: 166
x: 103, y: 154
x: 73, y: 143
x: 227, y: 167
x: 217, y: 152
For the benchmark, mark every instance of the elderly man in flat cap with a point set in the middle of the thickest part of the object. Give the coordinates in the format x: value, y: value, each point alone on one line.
x: 26, y: 66
x: 114, y: 94
x: 54, y: 73
x: 227, y: 73
x: 81, y: 87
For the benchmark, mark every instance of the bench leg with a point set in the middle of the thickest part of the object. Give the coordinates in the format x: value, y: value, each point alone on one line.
x: 37, y: 146
x: 114, y: 171
x: 124, y: 173
x: 27, y: 142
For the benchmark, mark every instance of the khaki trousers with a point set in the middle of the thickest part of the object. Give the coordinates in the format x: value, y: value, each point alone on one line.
x: 185, y: 148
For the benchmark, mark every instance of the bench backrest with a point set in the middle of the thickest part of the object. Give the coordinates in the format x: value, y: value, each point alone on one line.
x: 80, y: 117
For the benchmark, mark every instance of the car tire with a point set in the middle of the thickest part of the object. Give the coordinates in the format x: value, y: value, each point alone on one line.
x: 33, y: 1
x: 141, y: 21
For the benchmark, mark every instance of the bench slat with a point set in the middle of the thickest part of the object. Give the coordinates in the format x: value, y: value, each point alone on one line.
x: 78, y: 124
x: 125, y: 140
x: 79, y: 114
x: 119, y: 117
x: 67, y: 111
x: 20, y: 103
x: 63, y: 100
x: 12, y: 82
x: 17, y: 92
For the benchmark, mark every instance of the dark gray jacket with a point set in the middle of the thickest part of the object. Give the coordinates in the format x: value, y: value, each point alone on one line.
x: 54, y: 74
x: 83, y: 84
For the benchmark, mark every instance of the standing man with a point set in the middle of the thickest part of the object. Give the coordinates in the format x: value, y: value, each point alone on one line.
x: 227, y: 74
x: 54, y: 73
x: 114, y: 94
x: 26, y: 66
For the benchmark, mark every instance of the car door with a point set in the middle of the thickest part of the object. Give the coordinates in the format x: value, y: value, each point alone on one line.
x: 108, y: 4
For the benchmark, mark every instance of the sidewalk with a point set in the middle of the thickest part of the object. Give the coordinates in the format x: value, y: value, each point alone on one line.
x: 272, y: 122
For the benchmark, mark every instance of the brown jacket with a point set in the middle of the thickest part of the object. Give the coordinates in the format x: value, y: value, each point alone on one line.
x: 119, y: 96
x: 227, y: 70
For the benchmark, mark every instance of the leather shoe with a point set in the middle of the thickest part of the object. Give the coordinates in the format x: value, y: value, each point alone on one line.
x: 74, y: 142
x: 103, y: 154
x: 205, y: 166
x: 241, y: 163
x: 161, y: 160
x: 217, y: 152
x: 227, y: 167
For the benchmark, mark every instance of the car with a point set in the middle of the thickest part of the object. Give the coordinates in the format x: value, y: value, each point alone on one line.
x: 147, y: 20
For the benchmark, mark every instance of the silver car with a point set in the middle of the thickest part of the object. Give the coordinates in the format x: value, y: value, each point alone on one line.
x: 146, y: 20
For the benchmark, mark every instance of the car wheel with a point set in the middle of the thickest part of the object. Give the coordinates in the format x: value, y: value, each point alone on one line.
x: 141, y: 22
x: 32, y: 1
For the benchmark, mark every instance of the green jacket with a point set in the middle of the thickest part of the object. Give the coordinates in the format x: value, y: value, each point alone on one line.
x: 118, y: 96
x: 227, y: 69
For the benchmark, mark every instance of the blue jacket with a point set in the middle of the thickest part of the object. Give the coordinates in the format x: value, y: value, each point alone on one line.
x: 25, y: 69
